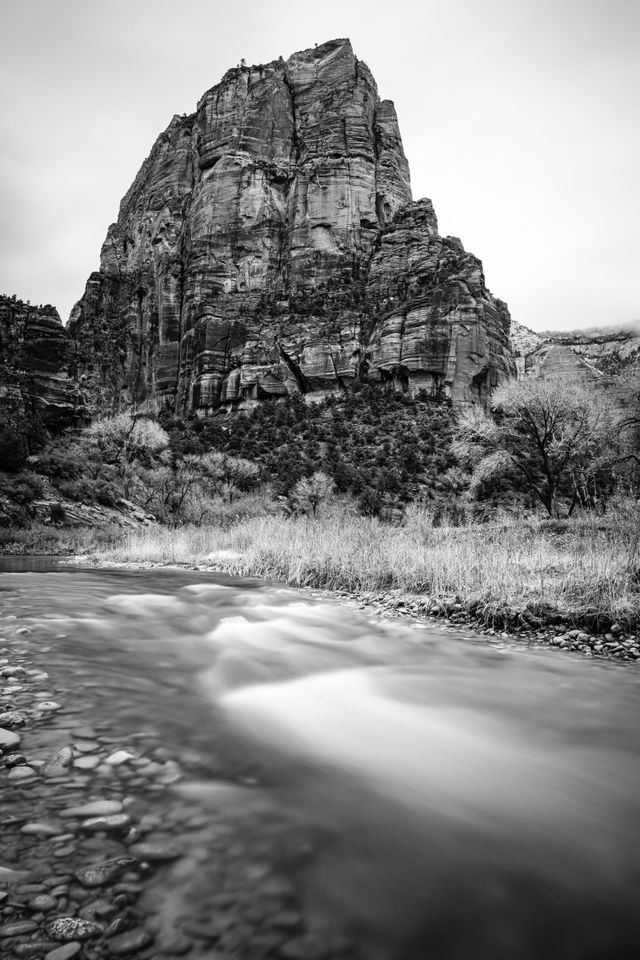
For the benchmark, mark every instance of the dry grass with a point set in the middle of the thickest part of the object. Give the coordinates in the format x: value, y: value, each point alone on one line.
x: 41, y: 538
x: 576, y: 567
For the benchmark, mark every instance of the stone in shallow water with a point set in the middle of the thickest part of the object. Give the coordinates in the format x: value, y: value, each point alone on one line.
x: 38, y: 829
x: 117, y: 823
x: 119, y: 757
x: 49, y: 706
x: 97, y: 908
x: 72, y: 928
x: 87, y: 763
x: 58, y: 764
x: 65, y: 952
x: 96, y: 808
x: 42, y: 903
x: 100, y: 873
x: 17, y: 928
x: 8, y: 739
x: 12, y: 719
x: 22, y: 773
x: 156, y: 852
x: 129, y: 942
x: 86, y: 746
x: 84, y: 731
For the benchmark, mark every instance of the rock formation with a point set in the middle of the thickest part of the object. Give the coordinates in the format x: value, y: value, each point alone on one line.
x: 613, y: 350
x: 35, y: 356
x: 269, y: 245
x: 585, y: 354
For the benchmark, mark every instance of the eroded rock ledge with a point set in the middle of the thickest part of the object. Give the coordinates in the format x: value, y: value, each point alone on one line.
x: 269, y: 245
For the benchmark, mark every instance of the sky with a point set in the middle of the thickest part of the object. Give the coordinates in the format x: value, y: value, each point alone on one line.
x: 520, y: 120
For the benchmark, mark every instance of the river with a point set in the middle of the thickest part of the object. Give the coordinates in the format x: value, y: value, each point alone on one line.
x: 333, y: 785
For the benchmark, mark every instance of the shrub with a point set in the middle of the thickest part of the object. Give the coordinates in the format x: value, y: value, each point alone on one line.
x: 57, y: 513
x: 83, y: 491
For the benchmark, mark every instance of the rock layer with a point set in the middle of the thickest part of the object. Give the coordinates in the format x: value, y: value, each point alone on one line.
x: 36, y: 355
x: 269, y: 245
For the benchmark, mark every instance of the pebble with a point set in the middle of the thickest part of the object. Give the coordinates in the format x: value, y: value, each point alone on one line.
x: 40, y: 829
x: 118, y: 925
x: 49, y: 706
x: 63, y: 852
x: 65, y: 952
x: 8, y: 739
x: 129, y: 942
x: 100, y: 873
x: 72, y: 928
x: 201, y: 930
x: 22, y: 773
x: 97, y: 908
x: 17, y: 928
x: 14, y: 759
x: 12, y: 719
x: 96, y: 808
x: 34, y: 948
x: 155, y: 853
x: 31, y: 888
x: 42, y: 903
x: 59, y: 764
x: 117, y: 823
x: 86, y: 746
x: 87, y: 763
x: 84, y: 732
x: 119, y: 757
x: 177, y: 946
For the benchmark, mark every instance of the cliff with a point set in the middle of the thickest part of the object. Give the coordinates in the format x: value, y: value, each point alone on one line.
x: 269, y: 245
x: 587, y: 354
x: 613, y: 351
x: 36, y: 355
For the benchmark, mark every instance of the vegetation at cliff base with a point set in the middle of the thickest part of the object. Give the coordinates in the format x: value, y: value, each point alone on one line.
x: 364, y: 491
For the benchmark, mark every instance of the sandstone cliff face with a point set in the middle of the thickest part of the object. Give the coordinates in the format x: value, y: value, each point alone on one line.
x: 269, y: 245
x: 613, y: 351
x: 35, y: 356
x: 587, y: 355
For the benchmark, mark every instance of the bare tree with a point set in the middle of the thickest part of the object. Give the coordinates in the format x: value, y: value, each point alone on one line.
x: 557, y: 435
x: 310, y: 492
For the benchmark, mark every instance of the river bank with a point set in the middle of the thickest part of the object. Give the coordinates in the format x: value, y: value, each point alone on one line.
x: 505, y: 625
x: 572, y: 584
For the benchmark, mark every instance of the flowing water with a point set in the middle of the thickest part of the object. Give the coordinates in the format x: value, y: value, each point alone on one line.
x: 412, y: 790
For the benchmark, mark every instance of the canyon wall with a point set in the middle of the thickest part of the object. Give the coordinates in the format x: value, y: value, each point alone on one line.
x: 36, y: 356
x: 269, y: 245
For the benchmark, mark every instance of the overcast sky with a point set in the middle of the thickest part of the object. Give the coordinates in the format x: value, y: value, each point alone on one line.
x: 520, y: 119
